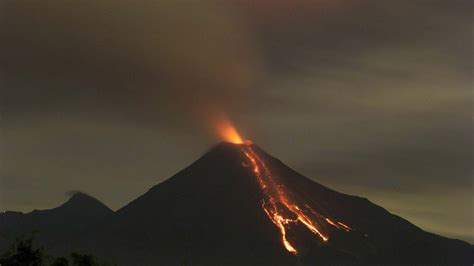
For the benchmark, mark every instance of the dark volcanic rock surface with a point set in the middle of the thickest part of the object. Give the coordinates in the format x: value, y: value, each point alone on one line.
x: 210, y: 214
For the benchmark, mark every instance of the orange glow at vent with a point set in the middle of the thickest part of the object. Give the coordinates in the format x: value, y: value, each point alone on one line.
x: 279, y: 205
x: 227, y: 132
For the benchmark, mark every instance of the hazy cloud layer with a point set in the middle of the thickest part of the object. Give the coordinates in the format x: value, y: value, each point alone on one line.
x: 370, y: 98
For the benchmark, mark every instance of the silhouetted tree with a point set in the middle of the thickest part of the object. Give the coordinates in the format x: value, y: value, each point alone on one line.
x: 22, y: 253
x: 83, y: 260
x: 60, y: 261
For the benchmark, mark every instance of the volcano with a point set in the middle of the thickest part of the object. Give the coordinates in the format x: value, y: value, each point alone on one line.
x: 238, y: 205
x: 54, y: 226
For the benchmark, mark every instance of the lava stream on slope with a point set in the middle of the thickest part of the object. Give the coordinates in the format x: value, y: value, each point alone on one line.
x: 280, y: 208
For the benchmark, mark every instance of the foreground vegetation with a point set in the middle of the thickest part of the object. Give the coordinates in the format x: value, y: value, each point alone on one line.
x: 24, y: 253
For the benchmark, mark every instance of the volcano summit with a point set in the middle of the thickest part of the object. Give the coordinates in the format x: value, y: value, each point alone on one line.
x: 237, y: 205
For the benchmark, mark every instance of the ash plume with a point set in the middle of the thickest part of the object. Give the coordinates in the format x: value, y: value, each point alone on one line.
x: 160, y: 61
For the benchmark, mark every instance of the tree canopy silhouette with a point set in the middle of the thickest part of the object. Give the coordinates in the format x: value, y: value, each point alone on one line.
x: 24, y: 253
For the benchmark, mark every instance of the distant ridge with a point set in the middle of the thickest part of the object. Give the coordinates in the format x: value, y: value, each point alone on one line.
x: 52, y: 226
x: 225, y: 209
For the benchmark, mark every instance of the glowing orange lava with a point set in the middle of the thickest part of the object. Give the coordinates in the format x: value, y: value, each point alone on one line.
x: 279, y: 207
x: 228, y: 133
x: 282, y: 210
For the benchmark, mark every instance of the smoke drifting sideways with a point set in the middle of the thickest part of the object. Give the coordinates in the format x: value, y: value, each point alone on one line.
x: 167, y: 62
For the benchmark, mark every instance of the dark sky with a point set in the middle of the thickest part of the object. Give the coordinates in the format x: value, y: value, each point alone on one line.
x: 368, y: 97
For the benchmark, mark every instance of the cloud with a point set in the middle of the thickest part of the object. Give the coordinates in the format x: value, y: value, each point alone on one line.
x: 372, y: 98
x: 71, y: 193
x: 159, y: 60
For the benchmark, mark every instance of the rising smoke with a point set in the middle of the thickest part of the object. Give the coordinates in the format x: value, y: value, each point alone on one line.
x: 167, y: 62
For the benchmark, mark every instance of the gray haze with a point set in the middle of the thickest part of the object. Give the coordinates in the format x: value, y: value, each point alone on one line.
x: 369, y: 97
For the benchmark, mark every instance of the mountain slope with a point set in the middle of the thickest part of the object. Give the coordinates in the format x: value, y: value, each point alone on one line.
x: 55, y: 227
x: 236, y: 205
x: 225, y: 209
x: 388, y: 238
x: 206, y: 214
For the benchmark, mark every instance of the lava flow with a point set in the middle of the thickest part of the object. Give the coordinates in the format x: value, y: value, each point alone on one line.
x: 278, y: 206
x: 276, y: 202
